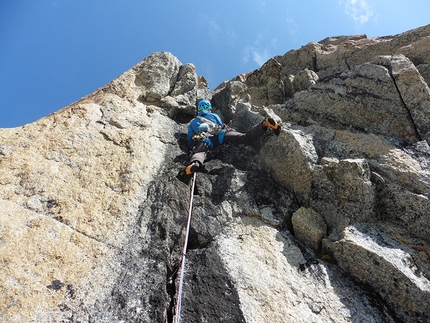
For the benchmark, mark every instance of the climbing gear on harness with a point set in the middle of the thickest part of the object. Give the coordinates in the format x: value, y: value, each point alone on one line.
x: 203, y: 127
x: 200, y: 135
x: 177, y: 316
x: 192, y: 168
x: 213, y: 128
x: 205, y: 137
x: 204, y: 105
x: 272, y: 124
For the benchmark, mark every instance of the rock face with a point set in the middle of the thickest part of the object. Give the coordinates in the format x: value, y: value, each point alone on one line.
x: 328, y: 222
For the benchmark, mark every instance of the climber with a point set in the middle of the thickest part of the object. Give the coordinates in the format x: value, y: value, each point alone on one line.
x: 207, y: 132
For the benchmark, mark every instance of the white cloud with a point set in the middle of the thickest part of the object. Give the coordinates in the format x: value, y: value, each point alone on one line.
x: 358, y: 10
x: 211, y: 25
x: 292, y: 28
x: 259, y: 39
x: 258, y: 55
x: 274, y: 43
x: 231, y: 38
x: 216, y: 32
x: 246, y: 54
x: 259, y: 51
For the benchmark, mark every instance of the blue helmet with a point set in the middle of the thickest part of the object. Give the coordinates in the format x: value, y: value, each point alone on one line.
x: 204, y: 105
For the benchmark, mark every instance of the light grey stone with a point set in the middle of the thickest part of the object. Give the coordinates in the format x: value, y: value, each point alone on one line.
x: 309, y: 227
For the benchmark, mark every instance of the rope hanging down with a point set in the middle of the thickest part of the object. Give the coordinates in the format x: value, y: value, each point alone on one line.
x: 184, y: 250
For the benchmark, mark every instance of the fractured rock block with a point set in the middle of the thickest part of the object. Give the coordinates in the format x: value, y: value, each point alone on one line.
x: 309, y: 227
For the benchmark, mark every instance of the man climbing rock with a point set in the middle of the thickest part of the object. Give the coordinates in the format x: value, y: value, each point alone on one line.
x: 207, y: 132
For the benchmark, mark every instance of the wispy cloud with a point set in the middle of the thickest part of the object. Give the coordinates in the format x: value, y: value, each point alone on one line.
x: 231, y: 38
x: 216, y: 32
x: 292, y: 26
x: 258, y: 52
x: 358, y: 10
x: 257, y: 55
x: 210, y: 24
x: 263, y: 5
x: 260, y: 57
x: 259, y: 39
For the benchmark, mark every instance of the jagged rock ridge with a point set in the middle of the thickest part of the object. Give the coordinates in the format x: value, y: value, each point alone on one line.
x: 329, y: 221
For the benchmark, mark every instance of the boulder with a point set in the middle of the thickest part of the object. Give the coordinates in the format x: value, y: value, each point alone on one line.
x: 304, y: 80
x: 342, y: 192
x: 265, y: 85
x: 157, y: 75
x: 388, y: 266
x: 290, y: 159
x: 309, y: 227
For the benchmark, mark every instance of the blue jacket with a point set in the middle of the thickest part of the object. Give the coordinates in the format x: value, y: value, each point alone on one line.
x: 193, y: 128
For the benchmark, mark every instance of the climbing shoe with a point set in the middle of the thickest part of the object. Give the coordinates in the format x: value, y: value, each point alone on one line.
x: 192, y: 168
x: 272, y: 124
x: 184, y: 175
x: 184, y: 178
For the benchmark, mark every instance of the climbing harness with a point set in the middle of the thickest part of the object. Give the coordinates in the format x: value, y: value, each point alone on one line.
x: 177, y: 317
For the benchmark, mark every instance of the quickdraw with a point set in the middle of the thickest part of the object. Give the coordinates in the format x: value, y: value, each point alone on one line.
x: 177, y: 316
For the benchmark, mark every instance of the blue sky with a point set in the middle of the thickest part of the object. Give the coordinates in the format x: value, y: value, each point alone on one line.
x: 54, y: 52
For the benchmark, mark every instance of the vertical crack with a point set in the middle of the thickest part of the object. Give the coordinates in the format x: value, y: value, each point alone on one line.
x: 172, y: 275
x: 347, y: 64
x: 314, y: 63
x: 404, y: 103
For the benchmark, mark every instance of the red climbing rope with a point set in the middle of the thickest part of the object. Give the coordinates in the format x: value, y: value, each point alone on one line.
x: 177, y: 317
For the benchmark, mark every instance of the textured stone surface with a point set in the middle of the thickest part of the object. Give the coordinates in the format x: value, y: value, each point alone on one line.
x: 92, y: 214
x: 309, y: 227
x: 343, y: 193
x: 290, y: 159
x: 395, y: 275
x: 304, y: 80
